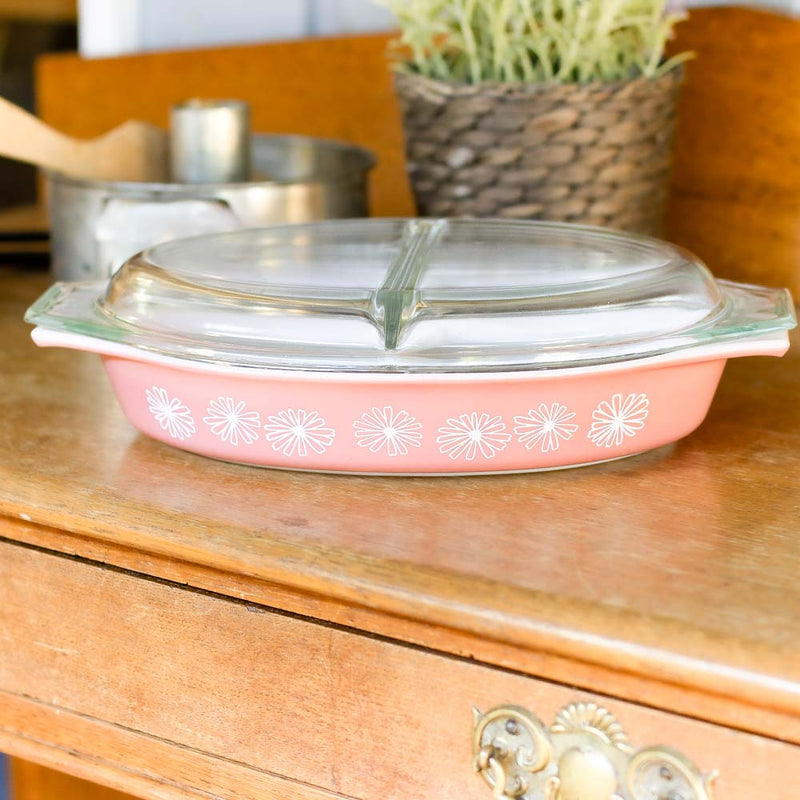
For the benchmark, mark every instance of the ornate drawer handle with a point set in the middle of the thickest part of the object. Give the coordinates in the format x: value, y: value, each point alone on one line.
x: 583, y: 755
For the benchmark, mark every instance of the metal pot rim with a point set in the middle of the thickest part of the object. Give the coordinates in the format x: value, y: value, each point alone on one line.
x: 367, y: 157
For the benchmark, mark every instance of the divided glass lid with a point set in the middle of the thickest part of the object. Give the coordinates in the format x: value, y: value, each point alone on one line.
x: 414, y: 295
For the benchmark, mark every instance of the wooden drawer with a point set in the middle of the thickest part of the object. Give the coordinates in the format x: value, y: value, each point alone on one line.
x: 172, y: 692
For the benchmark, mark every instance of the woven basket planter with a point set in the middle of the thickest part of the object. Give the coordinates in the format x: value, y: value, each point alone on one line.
x: 595, y: 153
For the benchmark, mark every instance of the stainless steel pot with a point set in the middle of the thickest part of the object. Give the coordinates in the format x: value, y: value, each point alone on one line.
x: 96, y: 225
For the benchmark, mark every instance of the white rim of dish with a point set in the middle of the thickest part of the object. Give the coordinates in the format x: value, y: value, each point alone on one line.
x: 772, y: 344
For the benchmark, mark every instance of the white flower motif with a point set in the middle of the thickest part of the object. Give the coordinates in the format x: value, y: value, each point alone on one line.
x: 545, y: 427
x: 615, y: 420
x: 471, y: 434
x: 382, y: 427
x: 171, y: 414
x: 295, y: 430
x: 228, y: 420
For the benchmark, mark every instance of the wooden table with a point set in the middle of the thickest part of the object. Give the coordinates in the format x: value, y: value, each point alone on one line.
x: 176, y: 627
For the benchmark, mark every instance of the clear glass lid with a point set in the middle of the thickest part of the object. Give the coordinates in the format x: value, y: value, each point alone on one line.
x: 415, y: 295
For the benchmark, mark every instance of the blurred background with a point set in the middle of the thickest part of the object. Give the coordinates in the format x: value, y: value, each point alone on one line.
x: 107, y: 28
x: 27, y: 29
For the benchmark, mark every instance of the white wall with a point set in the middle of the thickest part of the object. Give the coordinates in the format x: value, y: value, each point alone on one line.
x: 114, y: 27
x: 329, y: 17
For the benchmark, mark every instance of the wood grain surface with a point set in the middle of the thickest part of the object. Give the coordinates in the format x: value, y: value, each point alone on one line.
x: 670, y: 578
x: 104, y: 755
x: 736, y: 179
x: 327, y: 708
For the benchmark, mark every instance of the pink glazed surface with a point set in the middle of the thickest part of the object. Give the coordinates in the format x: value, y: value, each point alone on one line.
x: 449, y: 424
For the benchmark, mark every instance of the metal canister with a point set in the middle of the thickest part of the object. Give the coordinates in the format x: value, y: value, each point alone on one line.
x: 210, y: 141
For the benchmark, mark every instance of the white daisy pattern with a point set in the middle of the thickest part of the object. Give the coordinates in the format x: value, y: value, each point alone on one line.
x: 545, y: 427
x: 298, y: 431
x: 383, y: 428
x: 170, y: 413
x: 232, y: 422
x: 618, y: 418
x: 472, y: 434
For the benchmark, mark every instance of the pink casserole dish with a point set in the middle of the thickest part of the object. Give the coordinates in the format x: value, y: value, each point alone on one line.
x: 415, y: 346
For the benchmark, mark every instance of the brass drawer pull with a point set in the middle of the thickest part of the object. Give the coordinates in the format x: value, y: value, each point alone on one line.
x: 583, y: 755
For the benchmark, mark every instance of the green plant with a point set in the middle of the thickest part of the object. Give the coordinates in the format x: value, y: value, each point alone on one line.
x: 528, y: 41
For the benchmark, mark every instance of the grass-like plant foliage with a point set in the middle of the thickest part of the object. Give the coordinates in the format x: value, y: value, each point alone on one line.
x: 534, y: 41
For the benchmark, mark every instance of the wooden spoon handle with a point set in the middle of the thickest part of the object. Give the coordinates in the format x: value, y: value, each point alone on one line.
x: 26, y: 138
x: 133, y: 151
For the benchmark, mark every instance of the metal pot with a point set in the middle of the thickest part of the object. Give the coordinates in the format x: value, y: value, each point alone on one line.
x: 97, y: 225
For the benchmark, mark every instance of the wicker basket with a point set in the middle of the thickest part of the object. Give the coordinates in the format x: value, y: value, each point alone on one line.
x: 595, y: 153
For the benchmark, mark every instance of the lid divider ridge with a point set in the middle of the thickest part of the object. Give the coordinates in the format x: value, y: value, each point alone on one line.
x: 396, y: 299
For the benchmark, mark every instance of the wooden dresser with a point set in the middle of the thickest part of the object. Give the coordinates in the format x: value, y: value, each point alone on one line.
x: 175, y: 627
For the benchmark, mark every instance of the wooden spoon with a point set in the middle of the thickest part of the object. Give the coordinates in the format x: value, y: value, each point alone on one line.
x: 133, y: 151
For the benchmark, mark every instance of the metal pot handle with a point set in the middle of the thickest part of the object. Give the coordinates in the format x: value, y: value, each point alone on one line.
x: 126, y: 225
